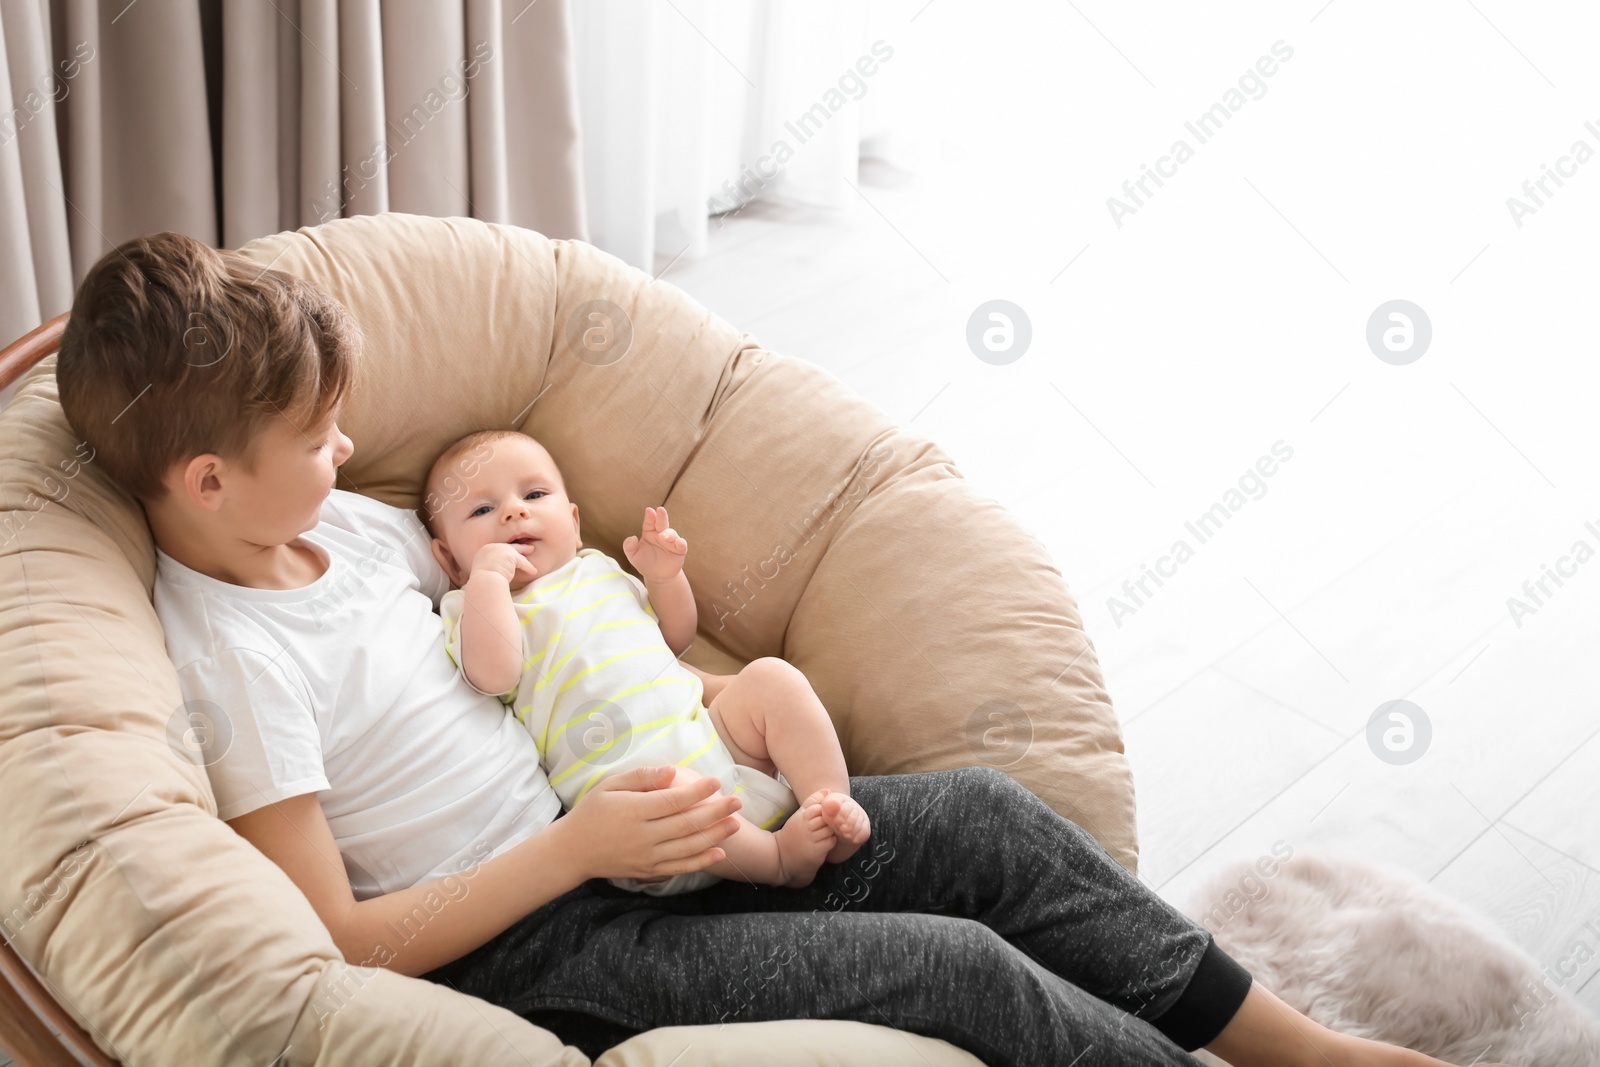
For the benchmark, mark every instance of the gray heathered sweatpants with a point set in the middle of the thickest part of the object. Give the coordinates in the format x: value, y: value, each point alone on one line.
x: 975, y: 913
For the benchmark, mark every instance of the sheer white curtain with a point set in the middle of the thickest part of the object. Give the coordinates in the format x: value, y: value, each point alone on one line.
x: 694, y: 107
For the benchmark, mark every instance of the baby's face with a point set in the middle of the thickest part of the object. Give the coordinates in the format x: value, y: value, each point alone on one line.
x: 515, y: 496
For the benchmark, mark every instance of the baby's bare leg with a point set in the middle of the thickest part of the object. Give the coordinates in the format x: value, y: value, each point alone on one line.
x: 759, y: 856
x: 770, y: 719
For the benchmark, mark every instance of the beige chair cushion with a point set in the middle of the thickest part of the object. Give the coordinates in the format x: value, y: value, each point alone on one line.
x: 818, y: 530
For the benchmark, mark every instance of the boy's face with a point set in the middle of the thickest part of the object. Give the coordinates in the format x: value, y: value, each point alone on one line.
x: 516, y: 496
x: 295, y: 470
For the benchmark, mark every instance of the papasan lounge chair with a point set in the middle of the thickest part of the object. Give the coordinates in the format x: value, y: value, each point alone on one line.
x: 140, y: 929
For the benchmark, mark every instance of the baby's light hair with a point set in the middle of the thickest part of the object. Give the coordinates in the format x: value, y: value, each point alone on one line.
x: 461, y: 457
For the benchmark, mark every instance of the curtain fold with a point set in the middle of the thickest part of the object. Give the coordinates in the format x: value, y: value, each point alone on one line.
x: 230, y: 120
x: 137, y: 155
x: 35, y: 257
x: 690, y: 110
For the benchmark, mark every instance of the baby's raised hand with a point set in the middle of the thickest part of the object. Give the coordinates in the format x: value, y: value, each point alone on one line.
x: 658, y: 552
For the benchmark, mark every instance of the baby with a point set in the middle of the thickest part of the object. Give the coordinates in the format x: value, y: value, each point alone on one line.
x: 586, y: 655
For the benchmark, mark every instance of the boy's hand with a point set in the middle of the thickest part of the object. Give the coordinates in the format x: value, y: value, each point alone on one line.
x: 657, y: 553
x: 639, y: 825
x: 508, y: 561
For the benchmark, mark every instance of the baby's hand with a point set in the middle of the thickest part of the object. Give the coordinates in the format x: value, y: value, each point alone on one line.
x: 658, y: 552
x: 508, y: 561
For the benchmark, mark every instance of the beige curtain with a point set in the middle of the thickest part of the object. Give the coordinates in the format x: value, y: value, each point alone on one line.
x: 231, y: 120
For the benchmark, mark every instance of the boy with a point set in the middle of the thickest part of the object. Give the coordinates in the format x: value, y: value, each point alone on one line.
x: 213, y: 388
x: 370, y: 772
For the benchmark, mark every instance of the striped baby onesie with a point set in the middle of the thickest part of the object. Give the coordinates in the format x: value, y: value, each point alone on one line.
x: 602, y: 693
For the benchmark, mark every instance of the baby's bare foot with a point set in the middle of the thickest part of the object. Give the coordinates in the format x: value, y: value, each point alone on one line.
x: 803, y: 844
x: 848, y: 820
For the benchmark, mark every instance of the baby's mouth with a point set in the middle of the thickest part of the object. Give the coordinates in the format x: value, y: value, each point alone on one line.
x: 525, y: 539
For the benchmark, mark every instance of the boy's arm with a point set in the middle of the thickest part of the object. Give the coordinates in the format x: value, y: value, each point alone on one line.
x: 294, y: 834
x: 491, y: 635
x: 675, y: 611
x: 631, y: 825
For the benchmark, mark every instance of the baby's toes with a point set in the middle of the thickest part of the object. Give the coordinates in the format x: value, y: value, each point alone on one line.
x: 817, y: 827
x: 850, y: 821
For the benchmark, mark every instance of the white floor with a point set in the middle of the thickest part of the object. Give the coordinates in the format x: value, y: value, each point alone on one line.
x: 1376, y: 566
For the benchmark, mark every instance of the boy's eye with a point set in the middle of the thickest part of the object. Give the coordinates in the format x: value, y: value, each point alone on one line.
x: 533, y: 493
x: 480, y: 510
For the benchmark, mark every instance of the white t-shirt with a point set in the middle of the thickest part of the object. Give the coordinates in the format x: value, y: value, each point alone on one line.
x: 343, y: 688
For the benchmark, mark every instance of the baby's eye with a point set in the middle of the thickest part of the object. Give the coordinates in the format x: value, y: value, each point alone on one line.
x: 533, y: 493
x: 479, y: 510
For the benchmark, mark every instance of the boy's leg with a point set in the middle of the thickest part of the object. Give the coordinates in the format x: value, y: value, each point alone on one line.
x: 623, y: 967
x: 1032, y: 945
x: 770, y: 719
x: 976, y: 844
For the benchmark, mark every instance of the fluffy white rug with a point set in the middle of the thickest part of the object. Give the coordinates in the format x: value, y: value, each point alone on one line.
x: 1381, y: 955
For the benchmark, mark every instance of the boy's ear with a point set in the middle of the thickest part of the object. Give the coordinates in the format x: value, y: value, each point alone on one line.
x: 575, y: 530
x: 446, y: 560
x: 198, y: 481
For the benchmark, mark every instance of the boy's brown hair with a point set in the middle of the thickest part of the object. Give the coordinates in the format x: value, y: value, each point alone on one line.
x: 175, y: 349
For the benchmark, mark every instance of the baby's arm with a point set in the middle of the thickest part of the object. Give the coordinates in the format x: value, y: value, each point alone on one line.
x: 675, y: 611
x: 491, y: 636
x: 658, y: 554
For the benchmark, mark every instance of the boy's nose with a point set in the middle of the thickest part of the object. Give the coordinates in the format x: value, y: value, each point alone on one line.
x: 343, y: 448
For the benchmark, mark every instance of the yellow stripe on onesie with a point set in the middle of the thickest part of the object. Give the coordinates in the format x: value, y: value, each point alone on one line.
x: 602, y: 693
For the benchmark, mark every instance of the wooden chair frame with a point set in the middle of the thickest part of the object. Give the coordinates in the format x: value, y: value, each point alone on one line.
x: 21, y: 356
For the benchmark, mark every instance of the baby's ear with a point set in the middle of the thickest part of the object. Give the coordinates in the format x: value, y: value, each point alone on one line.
x: 447, y: 561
